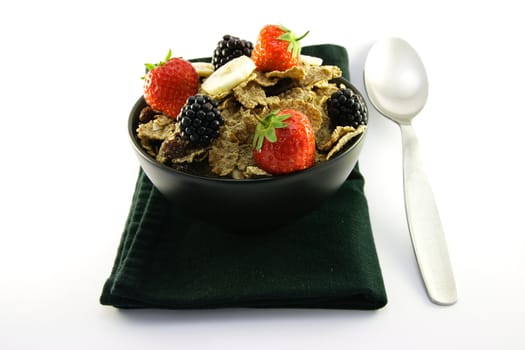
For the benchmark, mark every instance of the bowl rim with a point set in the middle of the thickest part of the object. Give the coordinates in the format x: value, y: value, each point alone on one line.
x: 142, y: 152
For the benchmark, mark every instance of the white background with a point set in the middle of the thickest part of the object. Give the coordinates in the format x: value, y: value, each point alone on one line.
x: 70, y: 74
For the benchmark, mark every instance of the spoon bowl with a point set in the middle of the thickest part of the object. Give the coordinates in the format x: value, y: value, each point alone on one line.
x: 396, y: 80
x: 397, y: 86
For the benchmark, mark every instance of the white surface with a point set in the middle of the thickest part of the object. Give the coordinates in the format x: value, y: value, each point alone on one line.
x: 70, y: 74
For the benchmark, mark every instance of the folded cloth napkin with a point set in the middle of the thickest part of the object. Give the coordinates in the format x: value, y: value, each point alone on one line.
x: 326, y: 259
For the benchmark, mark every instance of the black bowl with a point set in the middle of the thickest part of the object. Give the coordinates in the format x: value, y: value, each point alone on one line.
x: 248, y: 204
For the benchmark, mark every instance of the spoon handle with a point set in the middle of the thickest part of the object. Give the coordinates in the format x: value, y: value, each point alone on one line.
x: 426, y: 231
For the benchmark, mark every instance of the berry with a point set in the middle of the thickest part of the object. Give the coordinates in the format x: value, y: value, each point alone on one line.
x: 229, y: 48
x: 200, y: 120
x: 168, y: 84
x: 345, y: 107
x: 277, y: 48
x: 284, y: 142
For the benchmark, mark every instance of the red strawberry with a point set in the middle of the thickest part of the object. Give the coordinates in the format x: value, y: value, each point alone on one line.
x: 168, y: 84
x: 277, y: 48
x: 284, y: 142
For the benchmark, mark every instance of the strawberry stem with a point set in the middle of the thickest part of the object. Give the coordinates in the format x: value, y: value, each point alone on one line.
x: 265, y: 129
x: 294, y: 42
x: 302, y: 36
x: 152, y: 66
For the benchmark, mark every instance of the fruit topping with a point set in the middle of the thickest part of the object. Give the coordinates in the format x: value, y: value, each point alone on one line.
x: 284, y: 142
x: 344, y: 108
x: 224, y: 79
x: 204, y: 69
x: 277, y: 48
x: 229, y: 48
x: 312, y: 60
x: 200, y: 120
x: 168, y: 84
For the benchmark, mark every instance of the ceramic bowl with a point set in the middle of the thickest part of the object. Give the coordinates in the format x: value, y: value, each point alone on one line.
x: 248, y: 204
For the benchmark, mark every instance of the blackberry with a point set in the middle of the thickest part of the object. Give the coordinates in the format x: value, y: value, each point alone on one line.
x: 199, y: 120
x: 229, y: 48
x: 345, y: 107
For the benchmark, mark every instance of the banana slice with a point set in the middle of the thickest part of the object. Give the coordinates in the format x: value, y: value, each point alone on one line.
x: 311, y: 60
x: 224, y: 79
x: 204, y: 69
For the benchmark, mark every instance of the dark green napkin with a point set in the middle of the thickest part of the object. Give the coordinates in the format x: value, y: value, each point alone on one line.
x: 326, y: 259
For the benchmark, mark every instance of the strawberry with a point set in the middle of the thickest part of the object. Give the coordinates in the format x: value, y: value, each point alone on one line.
x: 168, y: 84
x: 277, y: 48
x: 284, y: 142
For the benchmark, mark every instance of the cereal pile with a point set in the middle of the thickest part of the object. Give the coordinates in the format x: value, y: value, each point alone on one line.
x: 305, y: 87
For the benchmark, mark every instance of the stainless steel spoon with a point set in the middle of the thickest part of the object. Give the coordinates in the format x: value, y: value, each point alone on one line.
x: 397, y: 86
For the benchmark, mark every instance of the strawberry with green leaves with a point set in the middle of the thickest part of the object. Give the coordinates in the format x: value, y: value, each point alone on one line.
x: 168, y: 84
x: 277, y: 48
x: 284, y: 142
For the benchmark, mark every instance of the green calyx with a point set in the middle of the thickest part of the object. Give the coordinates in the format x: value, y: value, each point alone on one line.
x: 152, y: 66
x: 294, y: 42
x: 265, y: 129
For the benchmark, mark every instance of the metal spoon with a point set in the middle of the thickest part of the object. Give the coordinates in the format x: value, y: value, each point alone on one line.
x: 397, y: 86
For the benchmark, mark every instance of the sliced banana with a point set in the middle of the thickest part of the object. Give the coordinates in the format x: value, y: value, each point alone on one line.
x: 224, y: 79
x: 204, y: 69
x: 311, y: 60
